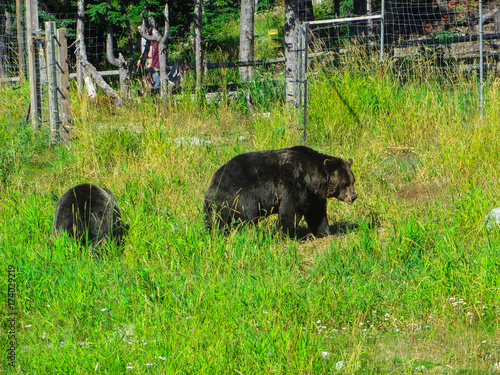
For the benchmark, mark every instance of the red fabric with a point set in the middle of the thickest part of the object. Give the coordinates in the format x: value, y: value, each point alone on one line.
x: 155, y: 57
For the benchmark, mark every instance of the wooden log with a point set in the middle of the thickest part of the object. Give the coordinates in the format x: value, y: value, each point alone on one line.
x: 92, y: 71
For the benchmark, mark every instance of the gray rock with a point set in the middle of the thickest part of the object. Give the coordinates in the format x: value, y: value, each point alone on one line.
x: 492, y: 220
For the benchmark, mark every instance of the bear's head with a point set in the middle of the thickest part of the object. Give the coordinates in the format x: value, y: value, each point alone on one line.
x: 340, y: 179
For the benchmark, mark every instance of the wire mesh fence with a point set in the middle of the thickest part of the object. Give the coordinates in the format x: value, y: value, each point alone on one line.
x: 445, y: 34
x: 9, y: 48
x: 453, y: 45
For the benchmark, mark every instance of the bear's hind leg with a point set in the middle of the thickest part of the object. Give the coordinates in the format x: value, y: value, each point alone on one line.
x: 289, y: 218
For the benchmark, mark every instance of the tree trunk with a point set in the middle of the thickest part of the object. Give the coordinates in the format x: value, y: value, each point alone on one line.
x: 162, y: 41
x: 336, y: 8
x: 82, y: 49
x: 295, y: 11
x: 359, y: 7
x: 198, y: 27
x: 86, y: 68
x: 120, y: 63
x: 247, y: 38
x: 162, y: 49
x: 20, y: 44
x: 290, y: 48
x: 305, y: 10
x: 124, y: 66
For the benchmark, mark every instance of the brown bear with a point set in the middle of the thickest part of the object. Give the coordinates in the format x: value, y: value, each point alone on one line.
x: 291, y: 182
x: 90, y: 214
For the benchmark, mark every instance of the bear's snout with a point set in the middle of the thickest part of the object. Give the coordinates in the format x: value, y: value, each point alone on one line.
x: 349, y: 198
x: 352, y: 198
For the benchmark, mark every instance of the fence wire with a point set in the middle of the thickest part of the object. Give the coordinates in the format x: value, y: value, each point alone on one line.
x: 444, y: 34
x: 9, y: 52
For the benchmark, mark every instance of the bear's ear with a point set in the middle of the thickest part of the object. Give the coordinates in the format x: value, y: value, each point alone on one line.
x: 349, y: 162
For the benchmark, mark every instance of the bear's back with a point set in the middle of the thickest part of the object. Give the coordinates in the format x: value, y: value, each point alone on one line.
x: 85, y: 210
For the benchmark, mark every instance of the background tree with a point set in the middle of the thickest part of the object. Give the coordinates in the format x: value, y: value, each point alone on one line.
x: 198, y: 27
x: 124, y: 65
x: 86, y: 69
x: 295, y: 11
x: 162, y: 41
x: 291, y: 11
x: 115, y: 15
x: 246, y: 38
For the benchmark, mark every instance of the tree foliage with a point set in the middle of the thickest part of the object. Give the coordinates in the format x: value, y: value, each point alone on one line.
x: 124, y: 15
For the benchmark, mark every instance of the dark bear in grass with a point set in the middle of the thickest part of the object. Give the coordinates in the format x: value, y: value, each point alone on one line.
x: 90, y: 214
x: 291, y: 182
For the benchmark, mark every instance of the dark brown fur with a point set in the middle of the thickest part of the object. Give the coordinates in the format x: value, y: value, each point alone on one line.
x: 90, y: 214
x: 292, y: 182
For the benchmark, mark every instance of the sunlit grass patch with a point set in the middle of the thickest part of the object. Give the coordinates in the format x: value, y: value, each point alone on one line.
x: 408, y: 283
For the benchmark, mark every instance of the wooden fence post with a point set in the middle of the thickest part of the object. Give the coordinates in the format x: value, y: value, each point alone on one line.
x: 20, y: 45
x: 32, y: 25
x: 52, y: 79
x: 63, y: 86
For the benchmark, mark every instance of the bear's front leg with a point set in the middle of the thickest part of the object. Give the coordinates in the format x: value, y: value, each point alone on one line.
x: 289, y: 218
x: 316, y: 218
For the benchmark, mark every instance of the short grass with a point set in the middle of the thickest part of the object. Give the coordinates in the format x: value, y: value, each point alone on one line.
x: 409, y: 284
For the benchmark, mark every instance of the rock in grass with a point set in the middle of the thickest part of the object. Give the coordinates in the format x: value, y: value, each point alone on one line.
x: 191, y: 141
x: 90, y: 214
x: 492, y: 220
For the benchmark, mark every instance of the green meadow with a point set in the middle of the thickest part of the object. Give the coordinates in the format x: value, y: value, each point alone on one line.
x: 408, y: 284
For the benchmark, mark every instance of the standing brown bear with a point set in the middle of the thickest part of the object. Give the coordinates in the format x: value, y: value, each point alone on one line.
x: 292, y: 182
x: 90, y: 214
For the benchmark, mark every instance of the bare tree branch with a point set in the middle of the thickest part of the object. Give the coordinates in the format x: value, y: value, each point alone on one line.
x: 120, y: 62
x: 87, y: 68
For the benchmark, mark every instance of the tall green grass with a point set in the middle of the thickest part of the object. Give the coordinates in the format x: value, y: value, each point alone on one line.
x: 409, y: 284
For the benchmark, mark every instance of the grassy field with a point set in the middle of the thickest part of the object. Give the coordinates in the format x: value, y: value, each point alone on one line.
x: 409, y: 283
